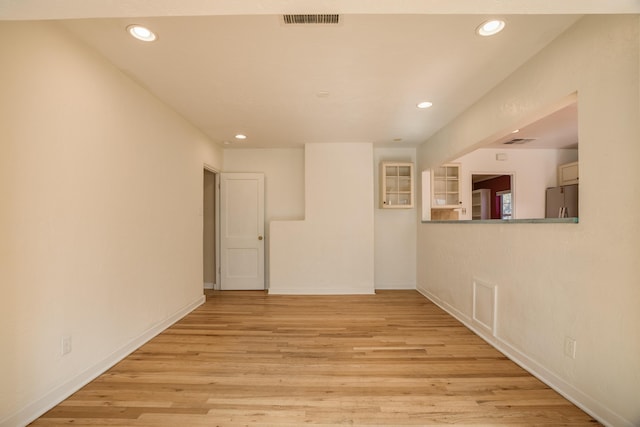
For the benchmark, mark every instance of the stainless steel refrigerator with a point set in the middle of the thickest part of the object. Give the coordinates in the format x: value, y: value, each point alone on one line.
x: 562, y: 202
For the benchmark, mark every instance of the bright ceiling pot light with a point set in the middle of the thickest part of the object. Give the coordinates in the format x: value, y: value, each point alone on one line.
x: 424, y: 104
x: 241, y: 136
x: 141, y: 33
x: 489, y: 28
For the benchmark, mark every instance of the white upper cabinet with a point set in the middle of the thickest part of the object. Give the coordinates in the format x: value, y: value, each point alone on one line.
x: 396, y: 185
x: 568, y: 174
x: 445, y: 185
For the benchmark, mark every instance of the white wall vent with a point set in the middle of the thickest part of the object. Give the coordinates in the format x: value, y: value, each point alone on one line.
x: 519, y: 141
x: 312, y: 19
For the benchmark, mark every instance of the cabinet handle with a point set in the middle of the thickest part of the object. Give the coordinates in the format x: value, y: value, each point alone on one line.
x: 259, y: 237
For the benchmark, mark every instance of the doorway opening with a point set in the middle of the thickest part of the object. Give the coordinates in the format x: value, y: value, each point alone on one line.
x: 499, y: 195
x: 209, y: 231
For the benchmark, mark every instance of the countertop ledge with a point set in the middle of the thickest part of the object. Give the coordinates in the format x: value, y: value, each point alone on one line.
x: 573, y: 220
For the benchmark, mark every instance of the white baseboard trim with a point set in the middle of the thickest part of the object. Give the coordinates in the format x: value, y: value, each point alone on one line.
x: 396, y: 286
x: 324, y: 291
x: 35, y: 409
x: 585, y: 402
x: 209, y: 285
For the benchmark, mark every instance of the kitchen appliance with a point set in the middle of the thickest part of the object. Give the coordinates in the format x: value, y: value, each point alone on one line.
x: 562, y: 202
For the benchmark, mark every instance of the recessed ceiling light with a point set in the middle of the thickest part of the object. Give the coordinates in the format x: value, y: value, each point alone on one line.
x: 515, y: 131
x: 141, y: 33
x: 228, y: 142
x: 490, y: 28
x: 241, y: 136
x: 424, y: 104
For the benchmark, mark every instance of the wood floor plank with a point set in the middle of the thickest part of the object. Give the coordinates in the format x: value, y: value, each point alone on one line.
x: 247, y: 358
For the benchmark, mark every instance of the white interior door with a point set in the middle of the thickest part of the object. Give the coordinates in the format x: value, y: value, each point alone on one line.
x: 242, y: 231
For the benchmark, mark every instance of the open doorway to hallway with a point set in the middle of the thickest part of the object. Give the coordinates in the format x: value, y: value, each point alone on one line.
x: 209, y: 234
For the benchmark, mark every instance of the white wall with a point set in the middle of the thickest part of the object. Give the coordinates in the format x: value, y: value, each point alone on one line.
x: 559, y: 280
x: 284, y: 183
x: 395, y: 230
x: 533, y: 172
x: 101, y: 188
x: 331, y: 251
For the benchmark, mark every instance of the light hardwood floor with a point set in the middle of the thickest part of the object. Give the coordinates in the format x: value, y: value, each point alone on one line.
x: 246, y: 358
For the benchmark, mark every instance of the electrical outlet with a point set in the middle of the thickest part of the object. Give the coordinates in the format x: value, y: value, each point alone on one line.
x: 570, y: 347
x: 66, y: 345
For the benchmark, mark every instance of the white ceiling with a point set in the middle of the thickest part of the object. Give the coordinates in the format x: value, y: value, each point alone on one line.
x: 239, y: 69
x: 558, y: 129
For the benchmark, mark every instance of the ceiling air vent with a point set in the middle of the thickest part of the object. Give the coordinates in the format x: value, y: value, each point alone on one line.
x: 311, y: 19
x: 519, y: 141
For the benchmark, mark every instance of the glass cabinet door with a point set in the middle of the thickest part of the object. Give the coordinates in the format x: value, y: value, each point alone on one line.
x: 445, y: 185
x: 396, y: 185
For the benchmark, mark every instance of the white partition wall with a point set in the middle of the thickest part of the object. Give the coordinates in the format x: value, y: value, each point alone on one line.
x: 558, y: 283
x: 331, y: 251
